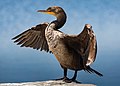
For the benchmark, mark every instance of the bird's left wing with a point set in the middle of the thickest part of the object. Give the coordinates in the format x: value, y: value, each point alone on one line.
x: 34, y: 38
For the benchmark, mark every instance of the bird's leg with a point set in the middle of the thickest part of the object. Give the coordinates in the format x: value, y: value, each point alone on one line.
x: 65, y: 75
x: 65, y: 72
x: 75, y: 75
x: 71, y: 80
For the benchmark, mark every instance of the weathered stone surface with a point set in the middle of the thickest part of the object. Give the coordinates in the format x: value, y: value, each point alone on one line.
x: 46, y: 83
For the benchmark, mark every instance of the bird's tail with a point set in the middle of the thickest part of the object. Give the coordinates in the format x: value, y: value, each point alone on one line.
x: 90, y: 70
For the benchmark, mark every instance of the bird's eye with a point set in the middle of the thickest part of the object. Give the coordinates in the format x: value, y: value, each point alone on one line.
x: 49, y: 9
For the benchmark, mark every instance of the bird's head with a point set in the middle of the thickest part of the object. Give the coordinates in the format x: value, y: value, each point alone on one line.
x: 54, y: 10
x: 59, y: 13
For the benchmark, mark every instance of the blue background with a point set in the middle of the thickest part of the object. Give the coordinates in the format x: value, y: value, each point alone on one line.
x: 25, y: 64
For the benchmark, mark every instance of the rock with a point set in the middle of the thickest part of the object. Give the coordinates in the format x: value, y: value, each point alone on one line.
x: 46, y: 83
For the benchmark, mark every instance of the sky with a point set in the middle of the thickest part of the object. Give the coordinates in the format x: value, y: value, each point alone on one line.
x: 17, y: 16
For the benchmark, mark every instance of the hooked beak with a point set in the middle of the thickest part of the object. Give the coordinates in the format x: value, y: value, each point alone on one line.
x: 46, y: 12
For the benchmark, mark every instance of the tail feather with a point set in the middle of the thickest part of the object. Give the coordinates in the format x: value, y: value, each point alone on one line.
x: 90, y: 70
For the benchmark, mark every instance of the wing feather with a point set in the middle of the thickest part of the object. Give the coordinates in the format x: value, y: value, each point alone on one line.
x: 89, y: 45
x: 34, y: 38
x: 84, y: 44
x: 35, y: 43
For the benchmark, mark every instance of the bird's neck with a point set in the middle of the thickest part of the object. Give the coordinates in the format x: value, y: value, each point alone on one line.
x: 61, y: 19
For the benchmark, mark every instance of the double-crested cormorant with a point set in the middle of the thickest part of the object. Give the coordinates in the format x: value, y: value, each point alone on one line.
x: 75, y: 52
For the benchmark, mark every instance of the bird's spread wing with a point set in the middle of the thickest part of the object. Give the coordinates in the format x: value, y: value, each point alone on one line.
x: 84, y: 44
x: 34, y: 38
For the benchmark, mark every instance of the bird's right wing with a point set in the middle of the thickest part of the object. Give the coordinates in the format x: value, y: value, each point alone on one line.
x: 83, y: 44
x: 88, y: 44
x: 33, y: 38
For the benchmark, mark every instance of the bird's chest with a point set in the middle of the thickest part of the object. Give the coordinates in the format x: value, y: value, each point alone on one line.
x: 52, y: 37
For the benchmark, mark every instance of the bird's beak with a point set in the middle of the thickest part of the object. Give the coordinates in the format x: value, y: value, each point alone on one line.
x: 43, y: 11
x: 46, y: 12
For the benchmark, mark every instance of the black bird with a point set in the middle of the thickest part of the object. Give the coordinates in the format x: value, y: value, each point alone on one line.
x: 75, y: 52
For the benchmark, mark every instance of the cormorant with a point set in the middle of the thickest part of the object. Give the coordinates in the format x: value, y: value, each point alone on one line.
x: 75, y: 52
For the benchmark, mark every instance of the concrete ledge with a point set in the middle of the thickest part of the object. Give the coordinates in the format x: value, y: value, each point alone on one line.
x: 45, y: 83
